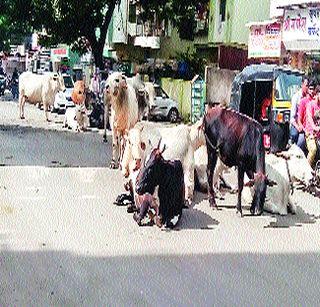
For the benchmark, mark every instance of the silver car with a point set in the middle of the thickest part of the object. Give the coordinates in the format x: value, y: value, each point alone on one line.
x: 163, y: 106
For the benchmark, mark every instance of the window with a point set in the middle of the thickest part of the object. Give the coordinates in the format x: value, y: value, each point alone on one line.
x: 223, y: 4
x: 286, y: 86
x: 132, y: 12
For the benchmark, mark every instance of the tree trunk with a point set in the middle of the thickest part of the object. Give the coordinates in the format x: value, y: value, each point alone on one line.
x: 97, y: 51
x: 98, y: 45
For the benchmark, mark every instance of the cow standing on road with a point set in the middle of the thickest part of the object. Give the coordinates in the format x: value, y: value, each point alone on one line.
x: 238, y: 141
x: 39, y: 89
x: 124, y: 112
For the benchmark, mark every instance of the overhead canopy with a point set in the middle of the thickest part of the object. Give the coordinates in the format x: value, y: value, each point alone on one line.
x: 257, y: 72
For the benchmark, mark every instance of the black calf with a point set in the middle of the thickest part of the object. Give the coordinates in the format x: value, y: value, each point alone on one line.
x: 168, y: 175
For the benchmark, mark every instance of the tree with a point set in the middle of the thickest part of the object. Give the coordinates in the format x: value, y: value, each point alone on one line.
x: 72, y: 22
x: 180, y: 12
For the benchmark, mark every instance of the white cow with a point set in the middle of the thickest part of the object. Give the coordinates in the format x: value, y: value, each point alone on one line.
x: 39, y: 89
x: 294, y: 168
x: 201, y: 160
x: 140, y: 142
x: 145, y: 94
x: 124, y: 112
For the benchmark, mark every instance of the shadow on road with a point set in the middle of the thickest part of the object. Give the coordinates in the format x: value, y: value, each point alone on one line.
x: 293, y: 220
x: 58, y: 278
x: 196, y: 219
x: 28, y: 146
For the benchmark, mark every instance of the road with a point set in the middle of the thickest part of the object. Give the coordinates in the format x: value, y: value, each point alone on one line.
x: 63, y: 242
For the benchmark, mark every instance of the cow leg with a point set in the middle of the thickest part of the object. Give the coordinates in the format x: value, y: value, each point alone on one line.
x: 212, y: 161
x: 115, y: 149
x: 106, y: 122
x: 46, y: 111
x: 240, y: 188
x: 22, y: 101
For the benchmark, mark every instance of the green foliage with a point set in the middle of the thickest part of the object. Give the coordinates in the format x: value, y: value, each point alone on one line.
x: 72, y: 22
x: 180, y: 12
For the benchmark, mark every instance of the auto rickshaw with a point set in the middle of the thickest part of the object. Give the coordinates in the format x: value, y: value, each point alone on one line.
x: 264, y: 92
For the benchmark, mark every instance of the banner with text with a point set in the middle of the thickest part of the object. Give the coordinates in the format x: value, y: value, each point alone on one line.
x: 265, y: 41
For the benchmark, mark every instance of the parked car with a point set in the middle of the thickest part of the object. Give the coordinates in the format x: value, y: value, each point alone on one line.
x: 63, y: 99
x: 163, y: 106
x: 3, y: 82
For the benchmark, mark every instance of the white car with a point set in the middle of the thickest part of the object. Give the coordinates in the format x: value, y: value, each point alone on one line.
x: 163, y: 106
x: 63, y: 100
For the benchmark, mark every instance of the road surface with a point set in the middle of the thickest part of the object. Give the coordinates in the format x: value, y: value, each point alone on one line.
x: 63, y: 242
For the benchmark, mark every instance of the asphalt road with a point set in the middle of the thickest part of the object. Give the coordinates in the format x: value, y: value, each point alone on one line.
x: 63, y: 242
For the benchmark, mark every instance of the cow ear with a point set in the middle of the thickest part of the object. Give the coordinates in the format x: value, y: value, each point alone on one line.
x: 143, y: 146
x: 150, y: 143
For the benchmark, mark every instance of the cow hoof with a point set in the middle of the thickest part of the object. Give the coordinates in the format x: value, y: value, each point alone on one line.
x: 158, y: 222
x: 22, y: 117
x: 258, y: 212
x: 132, y: 208
x: 239, y: 213
x: 213, y: 203
x: 137, y: 218
x: 113, y: 165
x: 187, y: 204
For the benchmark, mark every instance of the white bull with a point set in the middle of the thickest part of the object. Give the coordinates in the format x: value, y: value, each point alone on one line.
x: 201, y: 160
x: 124, y: 112
x: 284, y: 172
x: 178, y: 146
x: 39, y: 89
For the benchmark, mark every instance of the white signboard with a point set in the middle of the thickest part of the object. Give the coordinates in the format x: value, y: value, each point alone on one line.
x: 265, y: 41
x: 299, y: 26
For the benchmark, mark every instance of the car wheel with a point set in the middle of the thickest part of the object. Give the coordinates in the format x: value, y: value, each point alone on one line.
x: 173, y: 116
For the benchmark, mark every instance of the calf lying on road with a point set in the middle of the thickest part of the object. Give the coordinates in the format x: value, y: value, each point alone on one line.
x: 168, y: 175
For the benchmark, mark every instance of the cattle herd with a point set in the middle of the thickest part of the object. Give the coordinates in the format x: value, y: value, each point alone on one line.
x: 164, y: 165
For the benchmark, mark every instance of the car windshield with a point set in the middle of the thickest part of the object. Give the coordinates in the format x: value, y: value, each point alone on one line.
x: 286, y: 86
x: 68, y: 82
x: 159, y: 92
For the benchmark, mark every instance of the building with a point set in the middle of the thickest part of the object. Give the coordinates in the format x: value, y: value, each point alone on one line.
x: 220, y: 36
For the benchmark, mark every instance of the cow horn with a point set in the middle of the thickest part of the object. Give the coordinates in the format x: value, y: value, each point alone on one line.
x: 159, y: 143
x: 163, y: 149
x: 150, y: 143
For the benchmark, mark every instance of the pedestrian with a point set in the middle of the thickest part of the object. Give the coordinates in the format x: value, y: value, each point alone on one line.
x: 312, y: 128
x: 14, y: 84
x: 302, y: 116
x: 295, y: 129
x: 95, y: 85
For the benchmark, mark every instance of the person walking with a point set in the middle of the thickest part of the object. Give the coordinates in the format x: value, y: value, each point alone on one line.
x: 95, y: 85
x: 14, y: 84
x: 312, y: 128
x: 302, y: 116
x: 295, y: 129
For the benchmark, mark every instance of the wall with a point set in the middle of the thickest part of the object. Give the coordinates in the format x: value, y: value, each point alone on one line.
x: 180, y: 91
x: 238, y: 13
x: 219, y: 82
